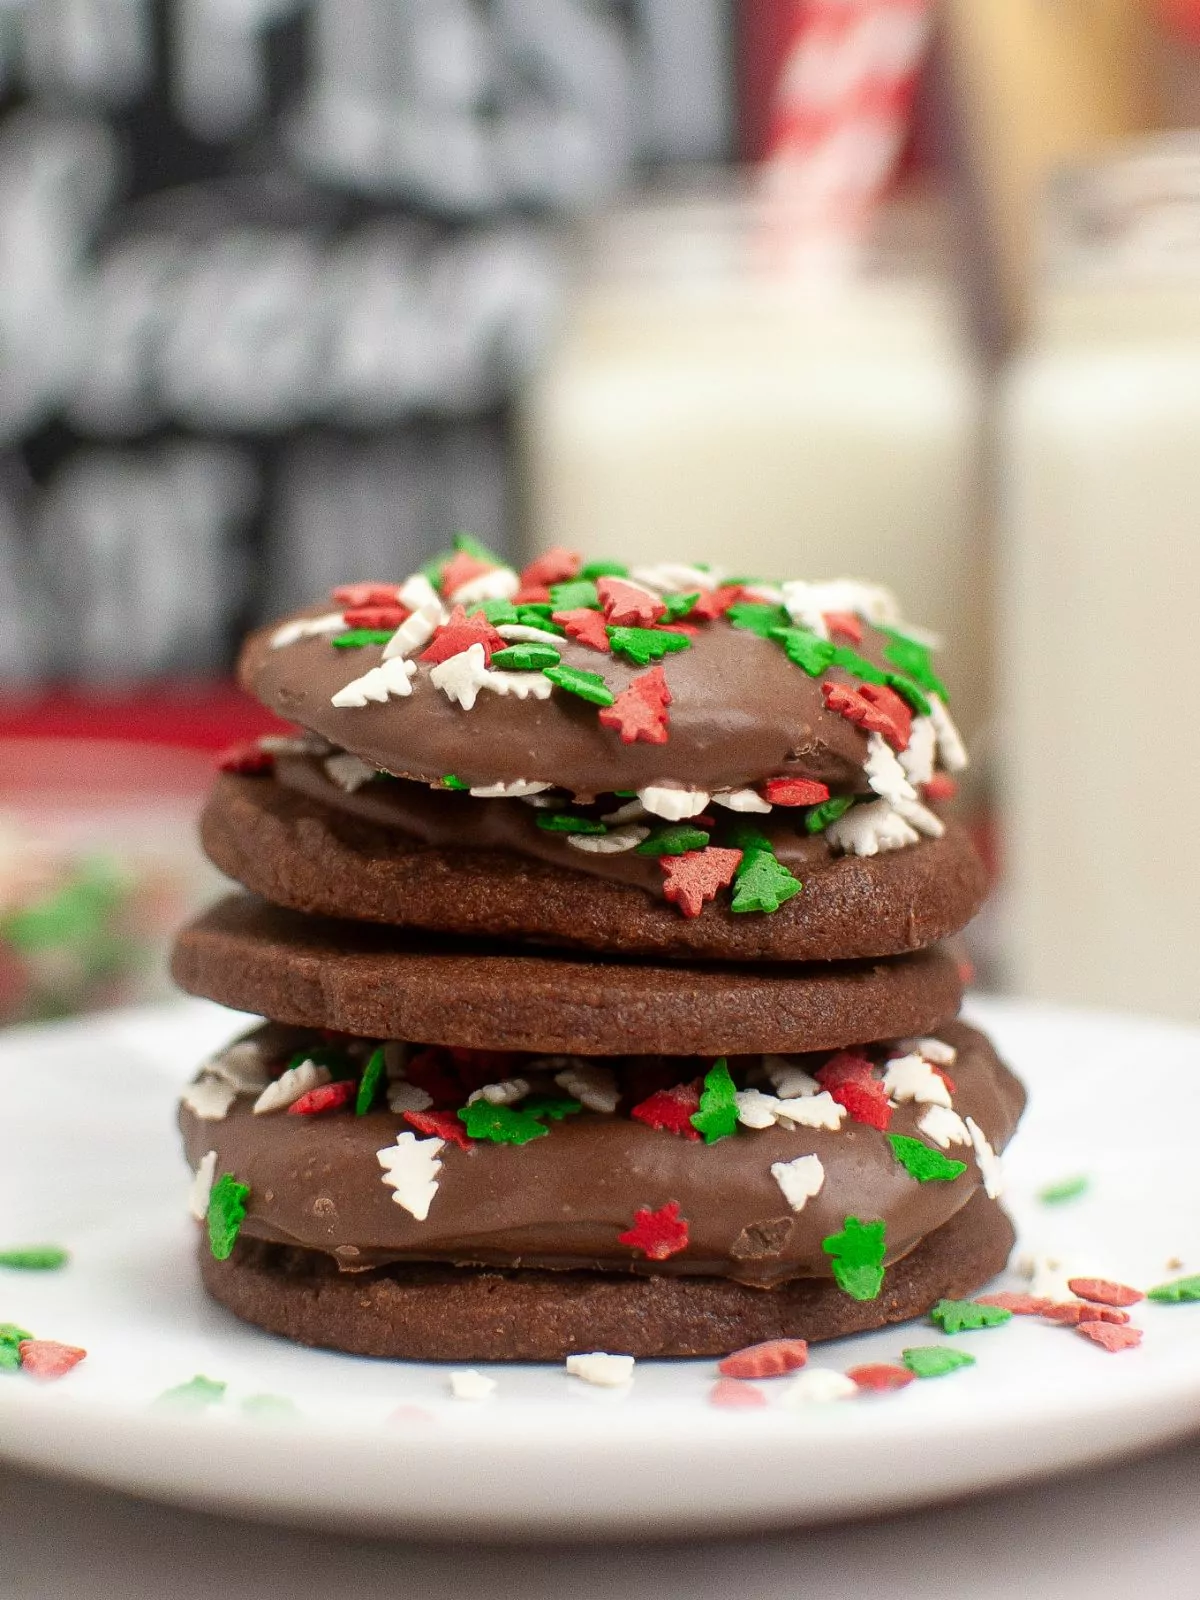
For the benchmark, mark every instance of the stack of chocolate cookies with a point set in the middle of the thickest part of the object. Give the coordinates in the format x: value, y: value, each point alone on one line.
x: 595, y: 914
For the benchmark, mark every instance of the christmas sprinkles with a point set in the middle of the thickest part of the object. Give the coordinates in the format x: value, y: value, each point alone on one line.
x: 43, y: 1359
x: 449, y: 1104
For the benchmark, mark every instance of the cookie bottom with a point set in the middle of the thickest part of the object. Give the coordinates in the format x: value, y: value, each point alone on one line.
x: 427, y: 1312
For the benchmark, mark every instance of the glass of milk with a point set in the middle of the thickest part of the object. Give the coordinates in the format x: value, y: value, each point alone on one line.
x: 1099, y: 645
x: 724, y: 391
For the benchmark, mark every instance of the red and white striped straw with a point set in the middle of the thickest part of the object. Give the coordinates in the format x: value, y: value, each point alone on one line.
x: 1182, y: 18
x: 842, y: 107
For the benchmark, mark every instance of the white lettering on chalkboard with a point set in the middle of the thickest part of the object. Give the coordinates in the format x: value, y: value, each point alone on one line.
x: 262, y: 329
x: 254, y: 328
x: 25, y: 622
x: 56, y: 175
x: 362, y: 510
x: 466, y: 108
x: 197, y: 309
x: 458, y: 105
x: 101, y: 51
x: 142, y: 555
x: 220, y: 86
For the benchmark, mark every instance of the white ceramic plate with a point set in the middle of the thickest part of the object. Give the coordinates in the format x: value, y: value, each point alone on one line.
x: 89, y: 1159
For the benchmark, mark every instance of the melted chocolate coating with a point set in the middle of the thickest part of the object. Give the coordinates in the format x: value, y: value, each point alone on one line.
x: 559, y: 1202
x: 427, y: 1312
x: 741, y: 712
x: 442, y: 817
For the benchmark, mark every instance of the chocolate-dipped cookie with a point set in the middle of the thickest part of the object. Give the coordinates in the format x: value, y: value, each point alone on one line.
x: 398, y: 853
x: 767, y: 761
x: 826, y: 1170
x: 486, y: 995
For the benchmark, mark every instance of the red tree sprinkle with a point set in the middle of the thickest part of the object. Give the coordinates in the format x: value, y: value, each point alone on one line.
x: 657, y: 1234
x: 1021, y: 1305
x: 940, y: 787
x: 845, y: 624
x: 767, y: 1360
x: 640, y: 711
x: 375, y: 617
x: 365, y: 594
x: 730, y: 1395
x: 1109, y: 1338
x: 633, y: 719
x: 460, y: 569
x: 652, y: 687
x: 795, y: 792
x: 532, y: 594
x: 714, y: 603
x: 845, y: 1067
x: 874, y: 708
x: 695, y: 876
x: 440, y: 1125
x: 627, y: 606
x: 246, y: 759
x: 556, y: 565
x: 47, y: 1359
x: 671, y: 1110
x: 328, y: 1097
x: 1104, y: 1292
x: 459, y: 634
x: 893, y: 706
x: 866, y: 1102
x: 881, y: 1377
x: 587, y: 627
x: 1072, y: 1313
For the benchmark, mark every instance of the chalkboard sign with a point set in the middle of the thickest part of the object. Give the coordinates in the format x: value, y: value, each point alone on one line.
x: 270, y: 271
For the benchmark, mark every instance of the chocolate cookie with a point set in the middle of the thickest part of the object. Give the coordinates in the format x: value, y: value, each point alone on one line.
x: 401, y: 854
x: 388, y: 983
x: 536, y: 1177
x: 696, y: 743
x: 446, y: 1313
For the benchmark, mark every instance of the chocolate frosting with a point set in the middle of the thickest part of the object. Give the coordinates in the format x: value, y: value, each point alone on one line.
x: 741, y: 712
x: 561, y: 1201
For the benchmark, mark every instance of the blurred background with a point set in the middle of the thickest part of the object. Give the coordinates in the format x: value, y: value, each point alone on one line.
x: 291, y: 289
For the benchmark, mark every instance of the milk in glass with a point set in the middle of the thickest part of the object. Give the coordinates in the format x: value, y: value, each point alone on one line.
x: 1099, y: 642
x: 724, y: 391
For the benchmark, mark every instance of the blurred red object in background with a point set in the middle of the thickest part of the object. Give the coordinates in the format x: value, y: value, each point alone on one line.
x: 188, y: 715
x: 1181, y: 17
x: 790, y: 97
